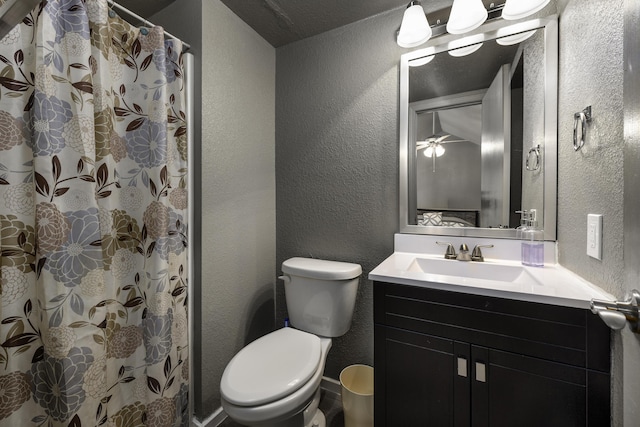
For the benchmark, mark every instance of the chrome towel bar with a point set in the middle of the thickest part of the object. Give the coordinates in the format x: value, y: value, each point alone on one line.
x: 616, y: 314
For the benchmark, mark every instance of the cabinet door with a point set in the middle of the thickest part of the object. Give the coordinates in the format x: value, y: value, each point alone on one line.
x: 420, y: 380
x: 512, y: 390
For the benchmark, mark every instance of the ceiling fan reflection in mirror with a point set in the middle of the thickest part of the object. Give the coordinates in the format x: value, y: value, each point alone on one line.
x: 433, y: 145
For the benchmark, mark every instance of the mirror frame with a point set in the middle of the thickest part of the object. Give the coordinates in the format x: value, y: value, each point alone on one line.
x: 488, y: 32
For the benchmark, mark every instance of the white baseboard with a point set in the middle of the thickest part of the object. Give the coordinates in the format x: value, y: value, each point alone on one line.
x: 331, y: 385
x: 212, y: 420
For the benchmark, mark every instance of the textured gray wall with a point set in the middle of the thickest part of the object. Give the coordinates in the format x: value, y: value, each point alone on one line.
x: 630, y: 342
x: 238, y: 197
x: 337, y: 160
x: 234, y: 299
x: 591, y: 180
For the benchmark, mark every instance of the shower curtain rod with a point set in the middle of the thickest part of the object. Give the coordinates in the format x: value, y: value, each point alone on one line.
x: 185, y: 45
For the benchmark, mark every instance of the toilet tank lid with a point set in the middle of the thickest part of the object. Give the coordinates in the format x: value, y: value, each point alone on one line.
x: 321, y: 269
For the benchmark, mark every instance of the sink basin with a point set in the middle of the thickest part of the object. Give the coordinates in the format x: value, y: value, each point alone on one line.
x: 419, y: 261
x: 472, y: 271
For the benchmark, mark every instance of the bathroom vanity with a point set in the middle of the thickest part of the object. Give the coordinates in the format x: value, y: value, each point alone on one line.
x: 463, y: 349
x: 491, y: 343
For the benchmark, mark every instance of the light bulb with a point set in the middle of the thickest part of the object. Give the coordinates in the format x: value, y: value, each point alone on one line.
x: 522, y: 8
x: 439, y: 150
x: 466, y: 15
x: 415, y: 28
x: 428, y: 152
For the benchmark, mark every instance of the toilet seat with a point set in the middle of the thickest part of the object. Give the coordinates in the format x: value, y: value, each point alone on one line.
x: 271, y: 367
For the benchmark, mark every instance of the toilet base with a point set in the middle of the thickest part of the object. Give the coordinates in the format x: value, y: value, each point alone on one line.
x: 311, y: 416
x: 318, y: 420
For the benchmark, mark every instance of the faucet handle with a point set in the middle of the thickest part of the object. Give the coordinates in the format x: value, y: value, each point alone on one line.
x: 450, y: 253
x: 476, y: 255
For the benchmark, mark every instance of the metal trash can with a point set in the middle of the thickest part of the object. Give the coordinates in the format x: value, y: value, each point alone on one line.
x: 357, y: 395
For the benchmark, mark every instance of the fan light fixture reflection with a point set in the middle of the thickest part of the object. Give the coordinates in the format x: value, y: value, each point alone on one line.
x: 466, y: 15
x: 415, y: 28
x: 434, y: 148
x: 515, y: 39
x: 518, y: 9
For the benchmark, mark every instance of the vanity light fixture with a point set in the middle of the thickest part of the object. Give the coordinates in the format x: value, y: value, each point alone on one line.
x: 415, y: 28
x: 518, y: 9
x: 466, y: 15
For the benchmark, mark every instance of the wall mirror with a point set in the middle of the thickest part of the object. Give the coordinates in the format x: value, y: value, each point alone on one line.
x: 478, y: 131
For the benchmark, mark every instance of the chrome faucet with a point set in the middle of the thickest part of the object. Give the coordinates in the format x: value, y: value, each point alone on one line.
x: 463, y: 254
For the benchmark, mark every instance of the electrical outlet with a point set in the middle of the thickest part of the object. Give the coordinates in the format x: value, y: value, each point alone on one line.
x: 594, y: 236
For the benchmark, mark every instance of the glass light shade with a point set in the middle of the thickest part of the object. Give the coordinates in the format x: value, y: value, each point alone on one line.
x: 518, y: 9
x: 464, y: 51
x: 415, y: 28
x: 432, y: 149
x: 421, y: 61
x: 466, y: 15
x: 515, y: 39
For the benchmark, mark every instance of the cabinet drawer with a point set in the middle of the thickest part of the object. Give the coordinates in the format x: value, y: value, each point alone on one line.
x: 560, y: 334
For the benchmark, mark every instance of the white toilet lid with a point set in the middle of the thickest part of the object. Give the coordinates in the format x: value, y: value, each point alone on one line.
x: 271, y: 367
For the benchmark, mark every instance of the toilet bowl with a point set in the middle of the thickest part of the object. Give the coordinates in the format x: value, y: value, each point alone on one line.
x: 275, y: 380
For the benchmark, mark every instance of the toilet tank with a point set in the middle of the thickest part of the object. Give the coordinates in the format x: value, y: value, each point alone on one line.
x: 320, y: 294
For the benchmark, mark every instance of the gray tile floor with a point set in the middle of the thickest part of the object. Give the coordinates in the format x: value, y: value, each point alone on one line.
x: 330, y: 405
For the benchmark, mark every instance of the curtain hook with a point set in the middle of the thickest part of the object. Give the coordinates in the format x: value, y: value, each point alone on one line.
x: 112, y: 13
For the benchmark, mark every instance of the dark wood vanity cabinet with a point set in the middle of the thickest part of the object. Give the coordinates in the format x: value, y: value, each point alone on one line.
x: 452, y: 359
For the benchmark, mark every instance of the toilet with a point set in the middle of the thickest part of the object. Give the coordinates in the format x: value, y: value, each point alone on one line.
x: 275, y: 380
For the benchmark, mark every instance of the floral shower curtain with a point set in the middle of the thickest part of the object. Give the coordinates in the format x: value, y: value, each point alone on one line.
x: 93, y: 199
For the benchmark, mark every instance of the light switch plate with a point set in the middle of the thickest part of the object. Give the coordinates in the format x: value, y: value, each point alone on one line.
x: 594, y: 236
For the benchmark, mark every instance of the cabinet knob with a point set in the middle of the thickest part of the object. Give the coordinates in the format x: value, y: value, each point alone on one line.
x: 462, y: 367
x: 481, y: 372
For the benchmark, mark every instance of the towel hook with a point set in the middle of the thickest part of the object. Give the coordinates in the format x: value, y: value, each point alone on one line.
x: 580, y: 120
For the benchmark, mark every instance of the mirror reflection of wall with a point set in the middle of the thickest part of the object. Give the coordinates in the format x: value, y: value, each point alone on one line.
x: 533, y: 120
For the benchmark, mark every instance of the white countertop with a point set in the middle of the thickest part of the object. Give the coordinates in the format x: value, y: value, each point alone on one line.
x: 551, y: 284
